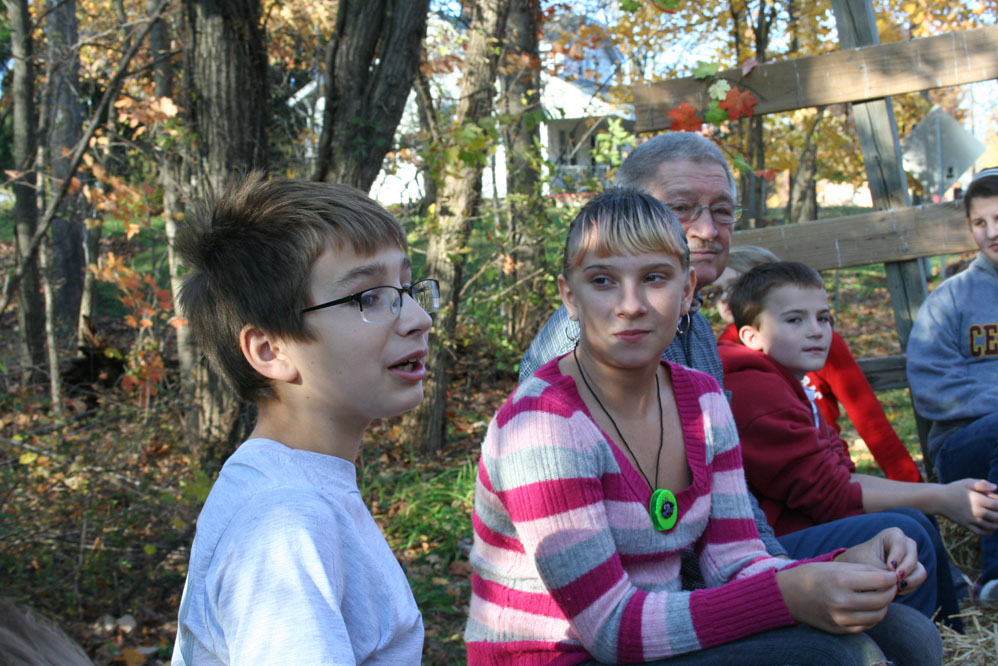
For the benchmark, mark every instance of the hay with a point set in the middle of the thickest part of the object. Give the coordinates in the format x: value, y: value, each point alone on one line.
x: 963, y: 546
x: 978, y: 645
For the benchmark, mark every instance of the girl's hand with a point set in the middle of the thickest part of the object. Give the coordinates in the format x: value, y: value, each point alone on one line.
x: 837, y: 597
x: 891, y: 550
x: 973, y: 504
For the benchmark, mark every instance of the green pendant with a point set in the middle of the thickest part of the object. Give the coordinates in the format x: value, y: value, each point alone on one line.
x: 664, y: 509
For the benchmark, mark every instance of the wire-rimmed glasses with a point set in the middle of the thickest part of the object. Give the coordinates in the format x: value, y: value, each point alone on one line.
x: 723, y: 212
x: 382, y: 304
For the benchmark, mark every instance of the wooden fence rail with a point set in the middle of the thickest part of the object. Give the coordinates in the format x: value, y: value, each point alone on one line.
x: 838, y: 77
x: 869, y: 238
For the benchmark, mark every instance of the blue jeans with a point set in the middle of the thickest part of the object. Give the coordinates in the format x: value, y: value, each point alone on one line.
x: 935, y: 594
x: 972, y: 451
x: 905, y: 636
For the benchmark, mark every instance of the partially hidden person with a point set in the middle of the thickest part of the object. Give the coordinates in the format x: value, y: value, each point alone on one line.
x: 28, y: 638
x: 952, y: 361
x: 608, y: 463
x: 303, y: 298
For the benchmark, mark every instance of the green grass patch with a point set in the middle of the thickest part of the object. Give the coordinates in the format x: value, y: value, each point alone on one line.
x: 419, y: 508
x: 425, y: 514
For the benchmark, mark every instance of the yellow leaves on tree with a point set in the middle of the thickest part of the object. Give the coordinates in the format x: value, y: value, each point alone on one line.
x: 295, y: 29
x: 144, y: 114
x: 906, y: 19
x: 115, y: 197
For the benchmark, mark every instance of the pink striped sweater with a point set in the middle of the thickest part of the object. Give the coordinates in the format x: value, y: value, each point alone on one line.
x: 567, y: 565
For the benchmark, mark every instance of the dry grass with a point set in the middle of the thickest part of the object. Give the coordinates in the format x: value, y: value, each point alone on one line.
x: 978, y: 645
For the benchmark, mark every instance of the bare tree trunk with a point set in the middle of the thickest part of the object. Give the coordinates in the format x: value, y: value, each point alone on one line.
x: 171, y: 167
x: 803, y: 204
x: 30, y: 312
x: 227, y: 86
x: 171, y: 175
x: 430, y: 125
x: 756, y: 186
x: 91, y: 249
x: 65, y: 122
x: 226, y: 65
x: 757, y: 147
x: 457, y: 207
x: 370, y: 64
x: 55, y: 379
x: 525, y: 214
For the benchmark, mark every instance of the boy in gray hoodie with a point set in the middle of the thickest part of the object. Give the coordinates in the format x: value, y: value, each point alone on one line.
x: 953, y: 363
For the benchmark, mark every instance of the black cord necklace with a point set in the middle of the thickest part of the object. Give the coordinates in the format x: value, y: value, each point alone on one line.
x: 663, y: 507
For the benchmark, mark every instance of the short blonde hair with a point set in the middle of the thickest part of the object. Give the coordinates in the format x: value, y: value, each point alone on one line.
x: 624, y: 220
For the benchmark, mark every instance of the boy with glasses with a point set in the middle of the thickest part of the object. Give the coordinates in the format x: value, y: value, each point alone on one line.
x: 301, y: 295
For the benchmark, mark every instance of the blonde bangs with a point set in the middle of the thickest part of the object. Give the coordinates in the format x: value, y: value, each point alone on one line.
x: 624, y: 221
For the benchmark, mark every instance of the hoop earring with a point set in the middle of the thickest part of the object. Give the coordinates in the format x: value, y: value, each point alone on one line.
x: 684, y: 324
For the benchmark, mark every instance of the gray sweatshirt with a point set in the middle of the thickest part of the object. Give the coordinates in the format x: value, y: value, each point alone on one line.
x: 953, y: 351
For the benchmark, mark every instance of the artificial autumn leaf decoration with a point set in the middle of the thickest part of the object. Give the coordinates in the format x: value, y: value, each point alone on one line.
x: 705, y: 70
x: 719, y: 89
x: 685, y: 119
x: 738, y: 103
x: 715, y: 115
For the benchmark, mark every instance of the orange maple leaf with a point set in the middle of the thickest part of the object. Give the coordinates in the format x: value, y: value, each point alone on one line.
x: 685, y: 119
x: 766, y: 174
x: 738, y: 103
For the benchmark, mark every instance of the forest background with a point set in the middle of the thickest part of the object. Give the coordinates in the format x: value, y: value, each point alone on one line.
x: 118, y: 114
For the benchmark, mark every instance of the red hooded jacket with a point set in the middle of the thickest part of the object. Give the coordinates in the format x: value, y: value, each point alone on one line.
x: 842, y: 380
x: 800, y: 473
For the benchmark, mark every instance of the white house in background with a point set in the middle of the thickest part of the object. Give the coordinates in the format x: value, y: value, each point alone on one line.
x: 575, y: 109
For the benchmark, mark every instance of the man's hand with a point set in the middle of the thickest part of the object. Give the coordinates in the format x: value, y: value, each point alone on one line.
x: 891, y: 550
x: 837, y: 597
x: 971, y: 503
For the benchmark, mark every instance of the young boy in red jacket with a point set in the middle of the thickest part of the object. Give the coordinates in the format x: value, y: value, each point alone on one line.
x: 840, y: 380
x: 796, y: 464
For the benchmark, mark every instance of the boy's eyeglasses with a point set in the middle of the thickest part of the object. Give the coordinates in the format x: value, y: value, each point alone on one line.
x: 722, y: 213
x: 381, y: 304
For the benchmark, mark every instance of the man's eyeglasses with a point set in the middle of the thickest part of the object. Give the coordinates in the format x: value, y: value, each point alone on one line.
x: 381, y: 304
x: 722, y: 212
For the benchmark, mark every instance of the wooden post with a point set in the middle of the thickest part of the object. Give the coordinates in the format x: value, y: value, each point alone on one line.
x: 878, y: 138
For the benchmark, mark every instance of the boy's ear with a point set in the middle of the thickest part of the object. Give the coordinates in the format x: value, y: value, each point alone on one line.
x: 749, y: 336
x: 567, y: 296
x: 266, y: 354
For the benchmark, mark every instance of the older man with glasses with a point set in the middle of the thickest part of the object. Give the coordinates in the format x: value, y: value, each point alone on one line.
x: 691, y: 176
